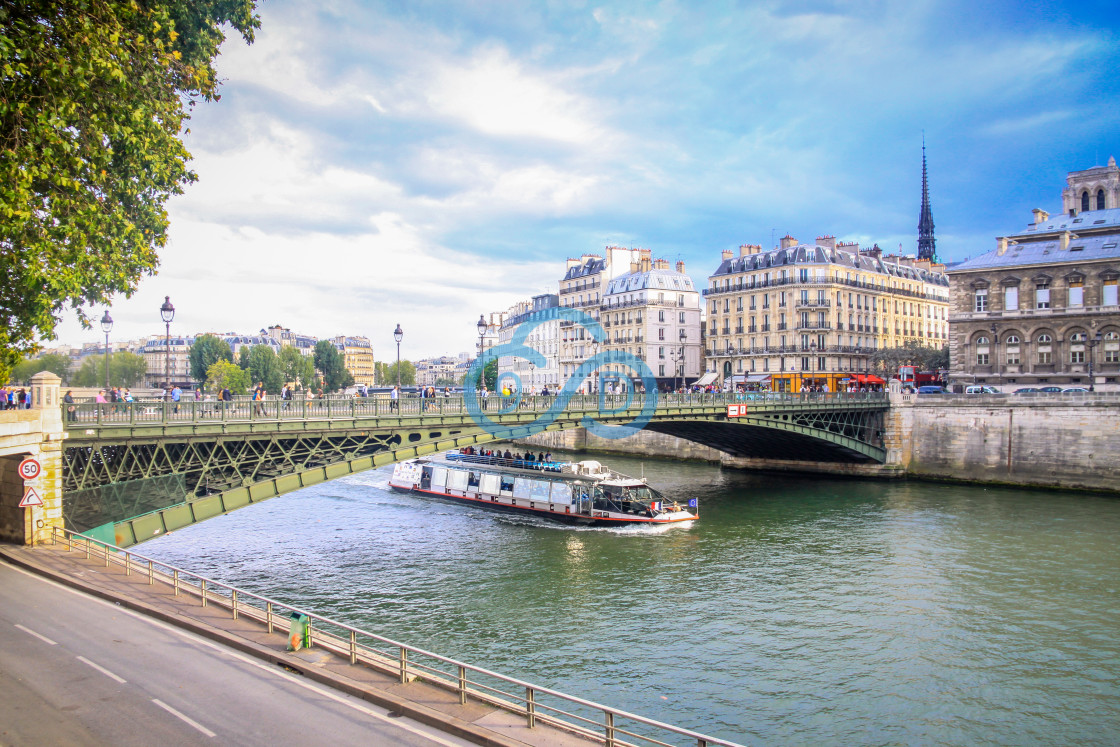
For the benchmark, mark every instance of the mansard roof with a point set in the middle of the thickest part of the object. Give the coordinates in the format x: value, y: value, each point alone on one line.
x: 1041, y: 243
x: 806, y: 254
x: 653, y: 279
x: 592, y: 266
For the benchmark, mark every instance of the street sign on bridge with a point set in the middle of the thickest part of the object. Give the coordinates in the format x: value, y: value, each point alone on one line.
x: 29, y: 468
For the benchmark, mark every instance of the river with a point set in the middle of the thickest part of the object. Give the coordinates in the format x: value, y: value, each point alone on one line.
x: 796, y: 610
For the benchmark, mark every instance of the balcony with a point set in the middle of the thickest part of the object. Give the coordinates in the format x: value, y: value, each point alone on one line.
x: 814, y: 325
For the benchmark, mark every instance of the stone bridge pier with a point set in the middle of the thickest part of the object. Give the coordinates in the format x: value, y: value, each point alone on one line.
x: 37, y: 432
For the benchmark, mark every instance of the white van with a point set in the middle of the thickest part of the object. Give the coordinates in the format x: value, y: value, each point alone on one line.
x: 981, y: 390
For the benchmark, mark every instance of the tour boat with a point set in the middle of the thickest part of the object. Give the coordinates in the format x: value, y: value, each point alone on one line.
x: 585, y: 493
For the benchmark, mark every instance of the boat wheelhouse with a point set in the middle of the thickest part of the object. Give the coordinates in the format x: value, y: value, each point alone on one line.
x: 573, y: 492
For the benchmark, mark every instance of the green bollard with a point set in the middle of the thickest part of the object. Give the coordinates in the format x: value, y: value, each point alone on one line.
x: 299, y: 632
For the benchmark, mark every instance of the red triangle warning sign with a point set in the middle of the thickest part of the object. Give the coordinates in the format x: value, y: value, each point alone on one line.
x: 31, y: 498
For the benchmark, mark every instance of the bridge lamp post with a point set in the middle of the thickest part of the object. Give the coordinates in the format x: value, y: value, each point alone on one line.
x: 107, y: 327
x: 482, y: 325
x: 1092, y: 345
x: 167, y: 313
x: 731, y: 369
x: 398, y: 335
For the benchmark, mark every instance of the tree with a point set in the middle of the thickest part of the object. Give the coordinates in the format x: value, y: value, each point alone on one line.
x: 222, y: 374
x: 205, y: 352
x: 243, y: 357
x: 330, y: 363
x: 886, y: 361
x: 125, y: 369
x: 94, y: 100
x: 295, y: 367
x: 264, y: 367
x: 408, y: 374
x: 56, y: 363
x: 490, y: 373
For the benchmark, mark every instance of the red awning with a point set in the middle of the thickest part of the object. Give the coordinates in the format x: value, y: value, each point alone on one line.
x: 868, y: 379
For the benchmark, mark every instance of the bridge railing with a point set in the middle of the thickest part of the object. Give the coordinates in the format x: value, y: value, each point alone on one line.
x: 536, y: 704
x: 140, y: 413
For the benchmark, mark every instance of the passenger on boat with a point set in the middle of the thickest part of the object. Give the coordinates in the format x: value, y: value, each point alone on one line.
x: 508, y: 455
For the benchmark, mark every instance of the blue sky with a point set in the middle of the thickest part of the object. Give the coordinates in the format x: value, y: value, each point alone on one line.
x: 420, y: 163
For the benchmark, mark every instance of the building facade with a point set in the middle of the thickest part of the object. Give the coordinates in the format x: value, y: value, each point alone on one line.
x: 813, y: 315
x: 543, y: 336
x: 582, y: 287
x: 168, y: 363
x: 357, y: 357
x: 653, y: 313
x: 1041, y: 309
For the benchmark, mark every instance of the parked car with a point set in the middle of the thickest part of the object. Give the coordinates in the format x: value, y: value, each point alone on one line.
x: 1026, y: 390
x: 981, y: 390
x: 1050, y: 389
x: 931, y: 389
x: 1076, y: 389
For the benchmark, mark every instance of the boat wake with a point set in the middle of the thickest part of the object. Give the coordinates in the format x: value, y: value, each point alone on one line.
x: 640, y: 530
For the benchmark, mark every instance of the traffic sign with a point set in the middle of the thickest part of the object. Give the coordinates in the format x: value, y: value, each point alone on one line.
x: 31, y: 498
x: 29, y: 468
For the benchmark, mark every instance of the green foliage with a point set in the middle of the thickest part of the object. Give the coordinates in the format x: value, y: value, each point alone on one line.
x: 93, y: 99
x: 296, y: 368
x: 329, y: 361
x: 243, y: 357
x: 885, y: 361
x: 222, y: 374
x: 447, y: 381
x: 490, y: 374
x: 205, y: 352
x: 264, y: 366
x: 408, y: 374
x: 56, y: 363
x: 125, y: 370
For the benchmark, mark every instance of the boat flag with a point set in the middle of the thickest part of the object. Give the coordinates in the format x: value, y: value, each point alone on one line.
x: 692, y: 502
x: 656, y: 506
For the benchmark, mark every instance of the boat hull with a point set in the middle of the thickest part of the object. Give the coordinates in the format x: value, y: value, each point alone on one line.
x: 574, y: 519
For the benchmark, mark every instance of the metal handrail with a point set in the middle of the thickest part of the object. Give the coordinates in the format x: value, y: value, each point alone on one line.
x: 90, y: 414
x: 405, y: 664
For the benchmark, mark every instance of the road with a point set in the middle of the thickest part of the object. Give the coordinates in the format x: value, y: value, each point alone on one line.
x: 75, y: 670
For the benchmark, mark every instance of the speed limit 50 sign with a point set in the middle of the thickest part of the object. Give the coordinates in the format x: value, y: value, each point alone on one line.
x: 29, y: 468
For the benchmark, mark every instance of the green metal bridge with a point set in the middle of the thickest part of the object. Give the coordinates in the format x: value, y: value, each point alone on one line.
x: 132, y: 471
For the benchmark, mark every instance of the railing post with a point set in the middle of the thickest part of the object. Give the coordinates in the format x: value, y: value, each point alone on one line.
x: 268, y: 616
x: 233, y: 602
x: 328, y: 407
x: 404, y: 665
x: 105, y: 548
x: 310, y: 632
x: 151, y: 572
x: 87, y: 547
x: 462, y: 685
x: 127, y: 564
x: 175, y: 580
x: 131, y: 413
x: 203, y: 589
x: 530, y: 707
x: 609, y: 741
x: 353, y: 647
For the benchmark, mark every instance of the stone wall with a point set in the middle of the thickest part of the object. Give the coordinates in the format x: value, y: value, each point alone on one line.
x: 39, y: 433
x: 1060, y: 441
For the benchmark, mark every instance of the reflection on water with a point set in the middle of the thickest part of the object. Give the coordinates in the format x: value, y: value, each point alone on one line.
x: 794, y: 610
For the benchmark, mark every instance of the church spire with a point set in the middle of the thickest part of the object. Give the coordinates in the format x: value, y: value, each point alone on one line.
x: 927, y: 245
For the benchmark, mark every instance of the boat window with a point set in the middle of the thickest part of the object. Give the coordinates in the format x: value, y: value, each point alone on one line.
x: 521, y: 488
x: 561, y: 493
x: 457, y: 479
x: 439, y: 477
x: 540, y: 490
x: 639, y: 494
x: 472, y: 480
x: 489, y: 484
x: 507, y: 484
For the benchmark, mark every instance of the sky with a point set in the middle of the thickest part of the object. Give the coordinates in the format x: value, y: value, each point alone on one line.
x: 418, y: 163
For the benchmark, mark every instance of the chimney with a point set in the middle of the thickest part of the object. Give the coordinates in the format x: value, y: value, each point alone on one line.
x: 1040, y: 216
x: 680, y: 266
x: 571, y: 263
x: 726, y: 254
x: 828, y: 242
x: 1002, y: 246
x: 634, y: 266
x: 874, y: 251
x: 644, y: 262
x: 788, y: 241
x: 1063, y: 241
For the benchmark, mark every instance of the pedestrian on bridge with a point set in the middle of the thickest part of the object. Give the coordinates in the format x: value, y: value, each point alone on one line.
x: 258, y: 398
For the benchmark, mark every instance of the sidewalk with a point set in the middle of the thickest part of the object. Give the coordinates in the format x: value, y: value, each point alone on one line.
x: 422, y: 702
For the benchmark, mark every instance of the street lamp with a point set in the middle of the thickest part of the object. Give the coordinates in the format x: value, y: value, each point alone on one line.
x: 107, y: 327
x: 1093, y: 344
x: 398, y: 335
x: 167, y: 313
x: 995, y: 356
x: 482, y: 326
x: 532, y: 368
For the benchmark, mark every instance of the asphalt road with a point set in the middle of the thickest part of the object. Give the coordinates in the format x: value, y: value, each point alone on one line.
x: 75, y: 670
